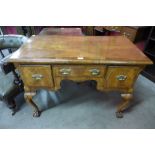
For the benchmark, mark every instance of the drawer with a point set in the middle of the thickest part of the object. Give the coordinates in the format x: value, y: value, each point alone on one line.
x: 79, y: 70
x: 35, y: 75
x: 121, y: 77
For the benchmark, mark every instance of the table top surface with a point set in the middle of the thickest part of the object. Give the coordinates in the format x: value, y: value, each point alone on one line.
x: 79, y: 49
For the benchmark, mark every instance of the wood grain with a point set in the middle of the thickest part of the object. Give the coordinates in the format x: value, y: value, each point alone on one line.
x: 129, y: 72
x: 37, y: 76
x: 79, y: 49
x: 79, y: 70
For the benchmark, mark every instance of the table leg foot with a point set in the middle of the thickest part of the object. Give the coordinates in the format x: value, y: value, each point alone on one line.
x: 119, y: 114
x: 36, y: 113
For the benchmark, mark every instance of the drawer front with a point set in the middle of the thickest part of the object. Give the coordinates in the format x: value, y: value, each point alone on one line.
x: 79, y: 71
x: 121, y: 77
x: 37, y: 76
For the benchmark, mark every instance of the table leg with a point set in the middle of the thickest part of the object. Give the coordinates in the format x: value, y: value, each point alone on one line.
x: 28, y: 97
x: 123, y: 105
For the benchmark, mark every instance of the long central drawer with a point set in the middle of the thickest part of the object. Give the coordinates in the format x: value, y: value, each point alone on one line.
x: 79, y: 70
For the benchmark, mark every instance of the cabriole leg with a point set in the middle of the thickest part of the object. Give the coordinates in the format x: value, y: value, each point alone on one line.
x: 28, y: 97
x: 124, y: 104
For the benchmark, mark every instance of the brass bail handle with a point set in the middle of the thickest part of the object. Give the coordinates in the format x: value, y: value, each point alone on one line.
x: 121, y: 77
x: 65, y: 71
x: 95, y: 71
x: 37, y: 76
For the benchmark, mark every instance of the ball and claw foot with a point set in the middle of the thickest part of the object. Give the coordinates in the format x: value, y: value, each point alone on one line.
x: 119, y: 114
x: 36, y: 113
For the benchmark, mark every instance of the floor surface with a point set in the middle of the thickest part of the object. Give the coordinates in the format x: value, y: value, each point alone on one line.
x: 82, y: 107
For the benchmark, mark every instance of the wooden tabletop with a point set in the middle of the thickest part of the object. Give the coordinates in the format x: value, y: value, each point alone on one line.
x: 79, y: 49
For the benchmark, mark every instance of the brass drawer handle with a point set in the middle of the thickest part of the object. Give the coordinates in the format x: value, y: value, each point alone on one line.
x: 95, y: 71
x: 65, y: 71
x: 121, y: 77
x: 37, y: 76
